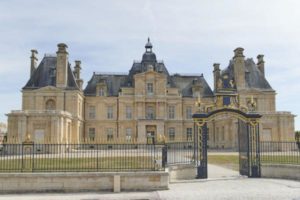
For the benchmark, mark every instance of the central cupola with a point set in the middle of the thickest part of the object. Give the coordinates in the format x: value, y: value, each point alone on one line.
x: 149, y: 57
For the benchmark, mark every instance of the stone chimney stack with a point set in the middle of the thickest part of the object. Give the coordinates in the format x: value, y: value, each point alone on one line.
x: 217, y: 75
x: 239, y: 68
x: 62, y: 66
x: 261, y: 63
x: 33, y: 61
x: 77, y: 69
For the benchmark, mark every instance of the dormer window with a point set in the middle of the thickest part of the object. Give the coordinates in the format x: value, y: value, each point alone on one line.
x: 101, y: 92
x: 101, y: 89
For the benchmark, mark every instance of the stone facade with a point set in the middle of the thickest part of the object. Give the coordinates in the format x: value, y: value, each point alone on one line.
x: 143, y: 105
x: 3, y: 131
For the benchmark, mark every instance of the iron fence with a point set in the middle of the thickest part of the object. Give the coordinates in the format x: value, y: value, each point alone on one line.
x: 280, y: 152
x: 30, y: 157
x: 180, y: 153
x: 80, y: 157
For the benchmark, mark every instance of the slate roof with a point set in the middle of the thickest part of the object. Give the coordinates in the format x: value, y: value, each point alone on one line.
x: 115, y: 81
x: 254, y: 78
x: 45, y: 75
x: 185, y: 84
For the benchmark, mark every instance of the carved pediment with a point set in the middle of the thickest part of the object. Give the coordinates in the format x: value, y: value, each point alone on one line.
x: 49, y: 89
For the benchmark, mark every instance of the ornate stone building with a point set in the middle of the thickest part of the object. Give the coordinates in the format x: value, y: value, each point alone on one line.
x: 146, y: 103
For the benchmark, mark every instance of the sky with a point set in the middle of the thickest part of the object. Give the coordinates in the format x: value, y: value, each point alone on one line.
x: 189, y: 35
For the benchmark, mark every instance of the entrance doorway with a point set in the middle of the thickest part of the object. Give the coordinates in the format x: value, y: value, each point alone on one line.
x: 151, y: 134
x: 248, y: 139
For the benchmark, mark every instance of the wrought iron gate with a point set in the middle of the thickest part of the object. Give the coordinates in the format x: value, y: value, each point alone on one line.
x: 248, y: 138
x: 200, y: 149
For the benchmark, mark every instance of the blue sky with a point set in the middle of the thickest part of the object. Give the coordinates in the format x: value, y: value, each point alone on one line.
x: 188, y: 35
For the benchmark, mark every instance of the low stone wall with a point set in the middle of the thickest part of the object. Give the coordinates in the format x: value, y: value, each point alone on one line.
x: 280, y: 171
x: 83, y: 181
x: 182, y: 172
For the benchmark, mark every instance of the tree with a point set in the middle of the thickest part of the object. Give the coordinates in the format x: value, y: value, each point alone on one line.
x: 297, y: 138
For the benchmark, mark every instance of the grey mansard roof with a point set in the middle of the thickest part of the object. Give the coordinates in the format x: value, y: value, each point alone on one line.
x: 254, y: 78
x: 45, y: 75
x: 114, y: 82
x: 185, y: 84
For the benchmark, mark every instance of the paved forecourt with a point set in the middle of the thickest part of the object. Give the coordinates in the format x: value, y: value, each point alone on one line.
x: 230, y: 188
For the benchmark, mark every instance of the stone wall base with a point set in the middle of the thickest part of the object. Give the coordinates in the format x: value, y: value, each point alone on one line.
x: 83, y: 181
x: 281, y: 171
x: 182, y: 172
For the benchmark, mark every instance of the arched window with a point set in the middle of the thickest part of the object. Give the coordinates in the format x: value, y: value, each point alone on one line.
x: 50, y: 104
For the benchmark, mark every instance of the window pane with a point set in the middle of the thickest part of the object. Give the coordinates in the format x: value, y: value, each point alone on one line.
x: 171, y: 112
x: 92, y: 134
x: 101, y: 92
x: 189, y: 112
x: 189, y: 134
x: 150, y: 88
x: 150, y: 113
x: 171, y: 133
x: 92, y: 112
x: 128, y: 112
x: 109, y: 112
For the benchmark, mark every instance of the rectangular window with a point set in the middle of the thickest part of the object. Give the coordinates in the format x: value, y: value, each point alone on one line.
x: 101, y: 92
x: 150, y: 113
x: 128, y: 134
x: 189, y: 112
x: 92, y: 133
x: 189, y: 134
x: 171, y: 112
x: 150, y: 88
x: 171, y: 134
x: 128, y: 112
x: 109, y: 112
x: 110, y: 134
x: 92, y: 112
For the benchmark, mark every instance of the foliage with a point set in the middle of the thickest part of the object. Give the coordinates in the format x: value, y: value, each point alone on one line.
x: 297, y: 135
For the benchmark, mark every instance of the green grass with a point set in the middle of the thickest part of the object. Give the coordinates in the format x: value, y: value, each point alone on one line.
x: 227, y: 161
x: 232, y: 161
x: 79, y: 164
x: 279, y: 159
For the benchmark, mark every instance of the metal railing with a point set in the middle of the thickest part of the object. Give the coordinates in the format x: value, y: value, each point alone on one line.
x: 32, y: 157
x: 93, y: 157
x: 280, y: 152
x: 180, y: 153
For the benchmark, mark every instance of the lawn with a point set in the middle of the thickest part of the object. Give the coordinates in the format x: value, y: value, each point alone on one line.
x: 79, y: 164
x: 232, y: 161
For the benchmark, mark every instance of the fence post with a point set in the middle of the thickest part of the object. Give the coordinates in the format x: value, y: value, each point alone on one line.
x: 164, y: 156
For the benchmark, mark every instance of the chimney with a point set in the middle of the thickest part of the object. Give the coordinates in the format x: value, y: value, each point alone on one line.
x: 62, y: 66
x: 77, y: 69
x: 217, y: 74
x: 239, y: 68
x: 33, y: 61
x: 261, y: 63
